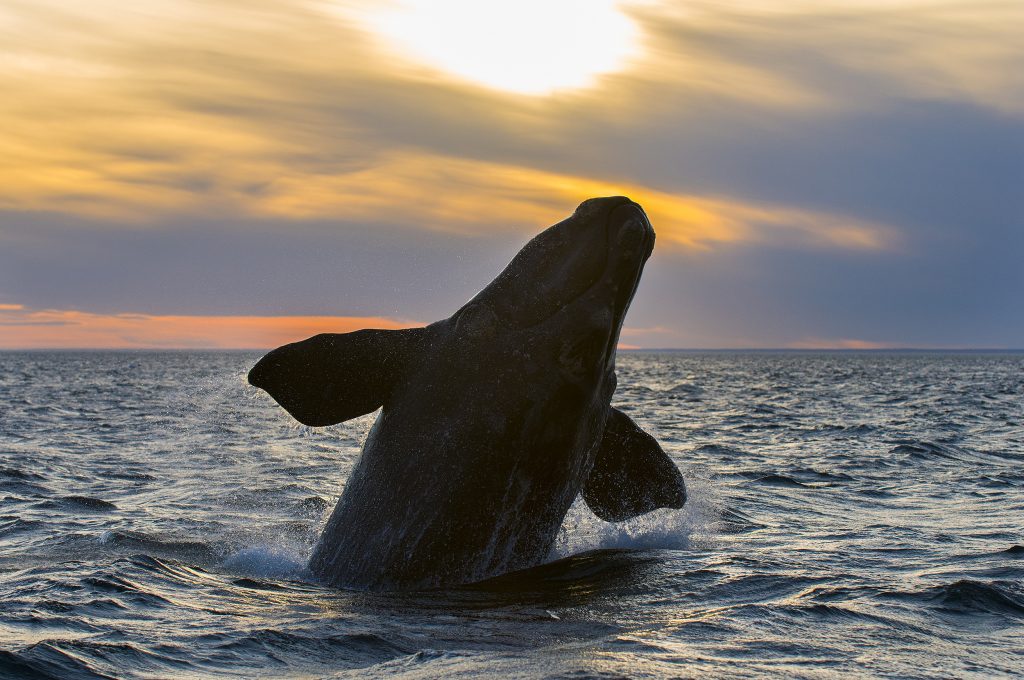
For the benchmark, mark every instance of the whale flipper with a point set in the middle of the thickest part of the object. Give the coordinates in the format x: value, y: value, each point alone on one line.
x: 332, y: 377
x: 631, y: 474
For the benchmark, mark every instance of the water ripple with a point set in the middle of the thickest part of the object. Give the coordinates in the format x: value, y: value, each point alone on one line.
x: 849, y: 515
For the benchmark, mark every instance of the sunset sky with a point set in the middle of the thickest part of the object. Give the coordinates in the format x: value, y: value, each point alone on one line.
x: 229, y: 173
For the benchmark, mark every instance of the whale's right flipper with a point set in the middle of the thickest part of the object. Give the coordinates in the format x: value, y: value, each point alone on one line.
x: 332, y: 377
x: 631, y: 474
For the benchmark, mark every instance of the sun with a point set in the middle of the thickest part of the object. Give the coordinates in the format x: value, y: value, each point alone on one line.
x: 530, y: 47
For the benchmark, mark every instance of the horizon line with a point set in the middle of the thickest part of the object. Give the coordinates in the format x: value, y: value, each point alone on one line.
x: 796, y: 350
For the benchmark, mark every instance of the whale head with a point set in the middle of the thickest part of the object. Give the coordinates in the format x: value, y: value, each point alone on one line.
x: 572, y: 284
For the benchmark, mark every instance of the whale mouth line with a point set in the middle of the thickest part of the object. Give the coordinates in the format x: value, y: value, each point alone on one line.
x: 613, y: 268
x: 592, y: 259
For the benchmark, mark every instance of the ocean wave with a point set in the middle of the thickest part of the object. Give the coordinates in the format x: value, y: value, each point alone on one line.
x: 780, y: 480
x: 43, y: 662
x: 721, y: 452
x: 733, y: 521
x: 12, y: 524
x: 969, y: 597
x: 132, y: 476
x: 196, y: 551
x: 136, y: 594
x: 816, y: 475
x: 78, y: 504
x: 312, y: 505
x: 921, y: 450
x: 354, y: 649
x: 796, y: 478
x: 76, y: 659
x: 15, y: 473
x: 25, y: 485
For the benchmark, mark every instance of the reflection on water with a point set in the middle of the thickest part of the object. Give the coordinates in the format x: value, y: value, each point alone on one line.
x: 849, y: 513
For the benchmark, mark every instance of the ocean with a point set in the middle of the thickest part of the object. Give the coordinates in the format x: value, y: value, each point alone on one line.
x: 850, y: 514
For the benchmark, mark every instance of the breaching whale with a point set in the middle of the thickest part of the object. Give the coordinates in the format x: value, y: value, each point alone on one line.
x: 492, y: 421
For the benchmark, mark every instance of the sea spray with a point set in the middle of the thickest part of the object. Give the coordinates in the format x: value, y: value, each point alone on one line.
x: 694, y: 524
x: 276, y: 561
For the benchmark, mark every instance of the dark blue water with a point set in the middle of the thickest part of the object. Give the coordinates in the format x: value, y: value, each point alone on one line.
x: 850, y: 514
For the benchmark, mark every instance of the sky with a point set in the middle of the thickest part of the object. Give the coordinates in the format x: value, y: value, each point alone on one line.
x: 229, y: 173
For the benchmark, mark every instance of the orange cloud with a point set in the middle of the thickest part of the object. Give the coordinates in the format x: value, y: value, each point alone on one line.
x: 457, y: 195
x: 22, y: 328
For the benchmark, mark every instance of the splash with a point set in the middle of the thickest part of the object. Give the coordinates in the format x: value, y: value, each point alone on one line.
x: 270, y: 561
x: 666, y: 529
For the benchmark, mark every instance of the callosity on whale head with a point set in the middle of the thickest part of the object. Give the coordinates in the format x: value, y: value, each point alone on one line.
x: 493, y: 420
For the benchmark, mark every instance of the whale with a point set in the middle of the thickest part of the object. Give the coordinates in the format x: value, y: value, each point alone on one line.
x: 491, y: 422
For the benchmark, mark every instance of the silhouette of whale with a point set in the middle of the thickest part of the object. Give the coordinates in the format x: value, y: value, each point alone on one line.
x: 493, y: 419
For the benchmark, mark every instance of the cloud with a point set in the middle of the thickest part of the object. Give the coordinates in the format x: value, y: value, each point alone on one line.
x: 21, y: 328
x: 832, y: 169
x: 293, y: 110
x: 842, y: 55
x: 476, y: 195
x: 465, y: 197
x: 70, y: 329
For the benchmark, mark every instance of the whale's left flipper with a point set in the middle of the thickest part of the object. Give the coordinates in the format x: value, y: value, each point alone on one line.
x: 332, y: 377
x: 631, y: 474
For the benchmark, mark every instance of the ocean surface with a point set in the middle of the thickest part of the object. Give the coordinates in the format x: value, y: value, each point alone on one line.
x: 850, y: 514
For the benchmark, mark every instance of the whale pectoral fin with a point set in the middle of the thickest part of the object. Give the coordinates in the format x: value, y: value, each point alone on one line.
x: 631, y: 474
x: 332, y: 377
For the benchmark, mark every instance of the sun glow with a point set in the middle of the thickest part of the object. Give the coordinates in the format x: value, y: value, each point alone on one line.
x: 529, y: 47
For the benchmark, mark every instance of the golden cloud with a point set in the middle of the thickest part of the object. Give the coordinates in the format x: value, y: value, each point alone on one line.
x: 448, y: 195
x: 286, y: 109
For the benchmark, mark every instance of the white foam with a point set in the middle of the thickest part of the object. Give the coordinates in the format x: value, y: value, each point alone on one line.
x: 666, y: 529
x: 270, y: 561
x: 581, y: 531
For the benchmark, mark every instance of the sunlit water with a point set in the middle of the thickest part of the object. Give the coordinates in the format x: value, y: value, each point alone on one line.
x: 849, y: 514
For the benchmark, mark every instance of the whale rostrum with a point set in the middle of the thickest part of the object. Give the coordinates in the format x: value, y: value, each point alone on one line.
x: 492, y: 421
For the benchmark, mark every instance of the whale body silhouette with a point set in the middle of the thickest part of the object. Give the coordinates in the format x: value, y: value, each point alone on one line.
x: 493, y: 419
